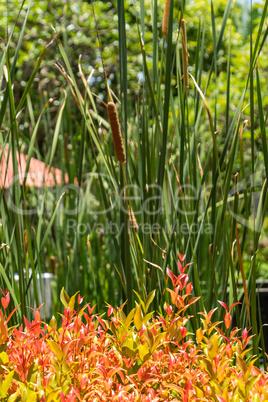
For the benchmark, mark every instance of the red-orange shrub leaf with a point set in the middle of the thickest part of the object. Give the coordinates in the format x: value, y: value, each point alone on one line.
x: 139, y: 357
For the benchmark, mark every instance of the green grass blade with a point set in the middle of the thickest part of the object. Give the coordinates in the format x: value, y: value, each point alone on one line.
x: 168, y: 73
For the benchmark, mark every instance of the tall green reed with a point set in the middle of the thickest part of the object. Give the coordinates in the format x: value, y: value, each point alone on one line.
x: 198, y: 201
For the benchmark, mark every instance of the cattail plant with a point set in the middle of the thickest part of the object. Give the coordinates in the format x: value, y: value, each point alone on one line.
x: 166, y: 17
x: 111, y: 109
x: 116, y: 132
x: 184, y: 54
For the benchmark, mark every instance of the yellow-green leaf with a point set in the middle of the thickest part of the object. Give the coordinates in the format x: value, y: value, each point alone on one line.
x: 13, y: 397
x: 52, y: 396
x: 256, y: 398
x: 4, y: 358
x: 241, y: 388
x: 27, y: 395
x: 236, y: 399
x: 147, y: 318
x: 64, y: 298
x: 129, y: 348
x: 251, y: 382
x: 208, y: 366
x: 56, y: 349
x: 215, y: 386
x: 138, y: 319
x: 130, y: 342
x: 130, y: 317
x: 149, y: 300
x: 6, y: 384
x: 31, y: 396
x: 149, y: 337
x: 144, y: 352
x: 53, y: 322
x: 213, y: 346
x: 141, y: 302
x: 241, y: 365
x: 158, y: 339
x: 199, y: 335
x: 121, y: 316
x: 72, y: 301
x: 199, y: 392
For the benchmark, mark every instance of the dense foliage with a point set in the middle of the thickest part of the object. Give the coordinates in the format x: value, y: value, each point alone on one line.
x: 142, y: 356
x: 195, y: 176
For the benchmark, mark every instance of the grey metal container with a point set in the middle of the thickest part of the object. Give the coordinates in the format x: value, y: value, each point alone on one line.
x: 48, y: 280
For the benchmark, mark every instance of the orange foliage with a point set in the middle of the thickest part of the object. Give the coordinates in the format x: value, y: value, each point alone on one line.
x: 139, y: 357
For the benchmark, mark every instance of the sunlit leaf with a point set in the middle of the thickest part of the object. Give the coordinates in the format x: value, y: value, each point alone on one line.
x: 241, y: 365
x: 72, y: 300
x: 53, y: 323
x: 121, y: 315
x: 213, y: 346
x: 199, y: 335
x: 144, y: 352
x: 138, y: 319
x: 149, y: 300
x: 130, y: 317
x: 56, y: 349
x: 64, y: 298
x: 6, y: 384
x: 4, y: 358
x: 13, y: 397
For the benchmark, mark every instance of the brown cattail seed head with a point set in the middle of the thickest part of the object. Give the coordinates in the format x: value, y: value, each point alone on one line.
x: 184, y: 54
x: 116, y: 132
x: 166, y: 17
x: 53, y: 264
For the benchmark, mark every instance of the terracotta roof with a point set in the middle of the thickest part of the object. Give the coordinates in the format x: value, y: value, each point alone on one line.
x: 38, y: 174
